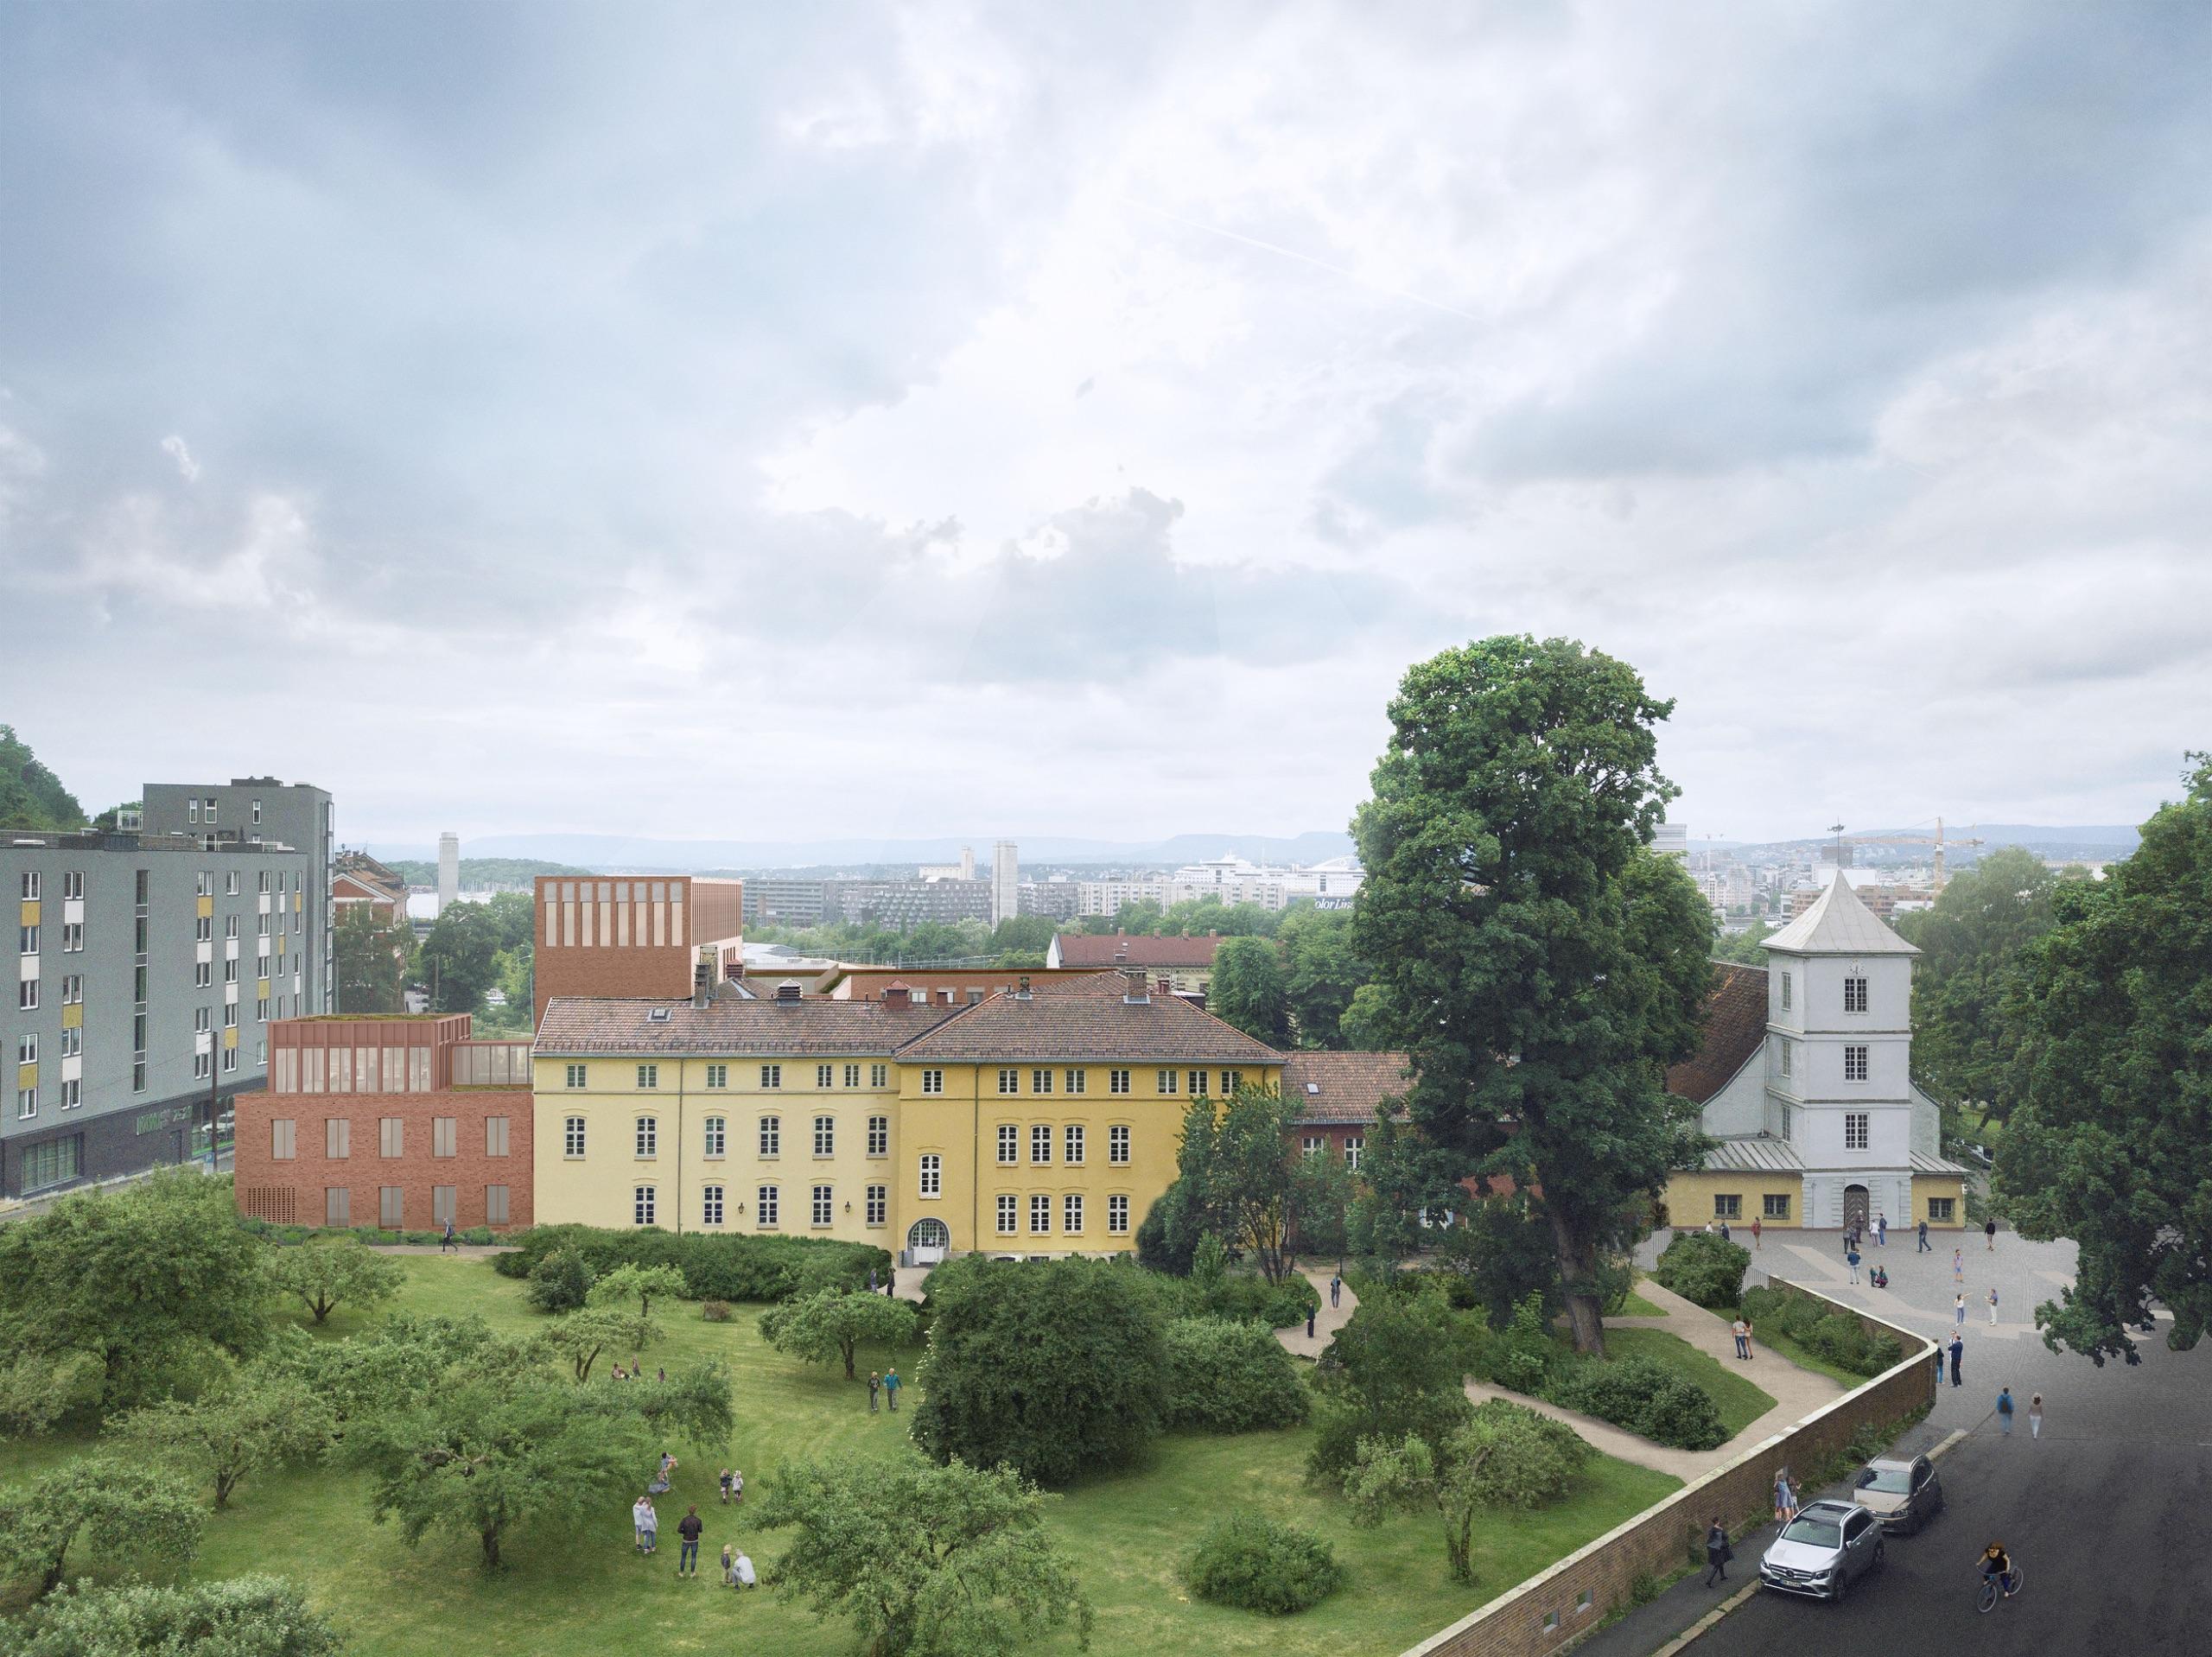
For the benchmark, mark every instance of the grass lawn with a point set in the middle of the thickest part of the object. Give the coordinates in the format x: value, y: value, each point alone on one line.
x: 585, y: 1593
x: 1782, y: 1347
x: 1636, y: 1307
x: 1740, y: 1402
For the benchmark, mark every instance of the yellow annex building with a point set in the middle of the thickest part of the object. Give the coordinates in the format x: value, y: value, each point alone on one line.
x: 1043, y: 1123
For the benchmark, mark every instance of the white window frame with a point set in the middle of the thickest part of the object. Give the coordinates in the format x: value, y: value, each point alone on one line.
x: 879, y: 1136
x: 1117, y: 1216
x: 1858, y: 1062
x: 825, y: 1136
x: 1117, y: 1081
x: 825, y: 1205
x: 648, y: 1075
x: 771, y: 1077
x: 647, y: 1141
x: 1010, y: 1079
x: 930, y: 1172
x: 1072, y: 1214
x: 1858, y: 1130
x: 1117, y: 1145
x: 573, y: 1138
x: 767, y: 1208
x: 1855, y: 996
x: 717, y: 1137
x: 1040, y: 1214
x: 1165, y: 1080
x: 932, y: 1081
x: 825, y: 1076
x: 1009, y: 1143
x: 879, y: 1204
x: 718, y: 1075
x: 1009, y: 1215
x: 1040, y: 1145
x: 645, y: 1205
x: 1040, y: 1080
x: 772, y: 1136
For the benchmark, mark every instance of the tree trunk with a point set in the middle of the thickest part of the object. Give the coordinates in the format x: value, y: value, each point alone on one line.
x: 1577, y: 1264
x: 1459, y: 1545
x: 849, y: 1362
x: 491, y: 1535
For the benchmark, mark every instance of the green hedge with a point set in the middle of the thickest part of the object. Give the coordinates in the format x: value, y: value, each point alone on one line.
x: 1699, y: 1265
x: 1262, y: 1565
x: 1646, y: 1398
x: 1827, y: 1332
x: 1227, y: 1376
x: 715, y: 1265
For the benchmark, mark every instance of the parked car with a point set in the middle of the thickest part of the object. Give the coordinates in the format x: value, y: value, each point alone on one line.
x: 1820, y: 1553
x: 1903, y: 1494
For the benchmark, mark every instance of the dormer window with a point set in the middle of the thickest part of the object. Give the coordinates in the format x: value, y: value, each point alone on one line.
x: 658, y: 1015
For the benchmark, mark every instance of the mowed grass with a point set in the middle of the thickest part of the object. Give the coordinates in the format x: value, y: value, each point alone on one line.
x: 585, y: 1592
x: 1636, y: 1307
x: 1741, y: 1403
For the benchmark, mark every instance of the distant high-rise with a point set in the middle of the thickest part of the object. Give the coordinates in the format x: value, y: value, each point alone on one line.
x: 1006, y: 882
x: 967, y: 862
x: 448, y: 870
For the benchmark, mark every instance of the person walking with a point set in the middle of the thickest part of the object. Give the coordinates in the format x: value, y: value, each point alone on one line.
x: 874, y: 1387
x: 687, y: 1555
x: 891, y: 1385
x: 1958, y: 1349
x: 1958, y: 1311
x: 1958, y: 1267
x: 2035, y: 1416
x: 446, y: 1243
x: 641, y: 1519
x: 1992, y: 1306
x: 1724, y: 1231
x: 1852, y: 1257
x: 1755, y: 1231
x: 1989, y: 1233
x: 1717, y: 1551
x: 1310, y: 1312
x: 1742, y: 1330
x: 737, y: 1485
x: 1335, y: 1289
x: 1785, y: 1499
x: 2005, y: 1412
x: 1924, y: 1248
x: 722, y: 1482
x: 1882, y: 1230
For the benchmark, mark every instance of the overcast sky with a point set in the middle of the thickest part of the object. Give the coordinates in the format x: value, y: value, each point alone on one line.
x: 653, y: 420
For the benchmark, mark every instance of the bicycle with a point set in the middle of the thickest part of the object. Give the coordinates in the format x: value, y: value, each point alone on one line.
x: 1989, y: 1595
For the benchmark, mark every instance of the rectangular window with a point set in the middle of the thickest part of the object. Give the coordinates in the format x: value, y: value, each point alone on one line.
x: 1117, y: 1143
x: 825, y: 1136
x: 1788, y: 1049
x: 1230, y: 1080
x: 716, y: 1135
x: 495, y: 1205
x: 1312, y: 1144
x: 649, y: 1075
x: 27, y: 995
x: 1009, y: 1215
x: 337, y: 1206
x: 1164, y: 1082
x: 1074, y: 1137
x: 772, y: 1136
x: 391, y: 1207
x: 1854, y: 1063
x: 27, y: 1048
x: 443, y: 1207
x: 932, y: 1081
x: 445, y: 1136
x: 1855, y: 1123
x: 27, y: 937
x: 648, y: 1140
x: 1040, y: 1143
x: 1072, y: 1214
x: 823, y: 1204
x: 642, y: 1205
x: 391, y: 1136
x: 1942, y: 1211
x: 575, y: 1075
x: 495, y: 1136
x: 1117, y: 1215
x: 1009, y: 1143
x: 772, y: 1076
x: 1041, y: 1081
x: 767, y: 1208
x: 572, y: 1137
x: 337, y: 1138
x: 73, y: 1043
x: 1354, y: 1148
x: 1041, y: 1215
x: 29, y: 886
x: 822, y: 1075
x: 1729, y: 1207
x: 710, y: 1205
x: 932, y: 1168
x: 879, y: 1136
x: 1010, y: 1079
x: 72, y: 940
x: 281, y: 1131
x: 878, y: 1076
x: 1198, y: 1080
x: 718, y: 1075
x: 26, y: 1102
x: 1854, y: 995
x: 1775, y: 1207
x: 1785, y: 992
x: 1117, y: 1081
x: 203, y: 974
x: 879, y: 1204
x: 852, y: 1076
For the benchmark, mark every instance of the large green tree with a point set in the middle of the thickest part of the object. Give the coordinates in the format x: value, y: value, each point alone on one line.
x: 952, y: 1561
x: 1398, y: 1366
x: 1242, y: 1178
x: 325, y: 1274
x: 459, y: 959
x: 829, y: 1325
x: 372, y: 961
x: 1544, y: 966
x: 31, y: 796
x: 1322, y: 970
x: 241, y: 1616
x: 256, y: 1420
x: 2107, y: 1145
x: 1247, y: 989
x: 125, y: 1511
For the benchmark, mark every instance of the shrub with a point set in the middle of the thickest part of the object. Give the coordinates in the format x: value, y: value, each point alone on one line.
x: 1225, y: 1376
x: 1396, y: 1368
x: 1700, y: 1267
x: 560, y: 1282
x: 1250, y: 1298
x: 1831, y: 1334
x: 715, y: 1265
x: 715, y: 1312
x: 1646, y: 1398
x: 1533, y: 1460
x: 1523, y: 1355
x: 1261, y: 1565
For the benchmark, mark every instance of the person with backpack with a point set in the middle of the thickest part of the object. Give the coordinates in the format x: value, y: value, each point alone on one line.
x: 2005, y: 1412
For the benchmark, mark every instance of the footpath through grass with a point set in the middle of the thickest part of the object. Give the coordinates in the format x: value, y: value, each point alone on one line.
x: 587, y: 1593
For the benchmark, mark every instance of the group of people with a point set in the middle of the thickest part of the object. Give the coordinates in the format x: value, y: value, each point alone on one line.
x: 886, y: 1386
x: 737, y: 1567
x: 637, y: 1371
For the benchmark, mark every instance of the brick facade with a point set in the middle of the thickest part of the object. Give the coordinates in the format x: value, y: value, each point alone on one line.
x: 294, y: 1190
x: 630, y: 937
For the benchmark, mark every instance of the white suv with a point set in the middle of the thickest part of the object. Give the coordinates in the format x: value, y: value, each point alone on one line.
x: 1821, y: 1551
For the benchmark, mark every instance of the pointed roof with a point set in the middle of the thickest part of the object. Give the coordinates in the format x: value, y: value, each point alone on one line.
x: 1839, y: 924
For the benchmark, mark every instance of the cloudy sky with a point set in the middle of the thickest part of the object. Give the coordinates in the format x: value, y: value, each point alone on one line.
x: 775, y: 421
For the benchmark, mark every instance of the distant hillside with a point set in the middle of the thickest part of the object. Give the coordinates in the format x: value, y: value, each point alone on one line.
x: 601, y: 851
x: 480, y: 874
x: 31, y: 796
x: 2096, y: 841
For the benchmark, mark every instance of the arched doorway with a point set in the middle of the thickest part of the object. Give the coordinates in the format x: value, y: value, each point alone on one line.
x: 1854, y: 1207
x: 927, y: 1240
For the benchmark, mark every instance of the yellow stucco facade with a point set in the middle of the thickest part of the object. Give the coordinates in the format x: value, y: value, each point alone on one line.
x: 1741, y: 1197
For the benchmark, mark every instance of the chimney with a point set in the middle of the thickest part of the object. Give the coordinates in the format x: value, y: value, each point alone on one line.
x: 1135, y: 995
x: 1167, y: 986
x: 703, y: 980
x: 787, y: 992
x: 896, y: 994
x: 1022, y: 994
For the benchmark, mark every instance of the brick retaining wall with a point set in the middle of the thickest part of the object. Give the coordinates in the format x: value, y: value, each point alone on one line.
x: 1572, y: 1597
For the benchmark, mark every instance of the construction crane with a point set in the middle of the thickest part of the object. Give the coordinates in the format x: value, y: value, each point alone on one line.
x: 1935, y: 840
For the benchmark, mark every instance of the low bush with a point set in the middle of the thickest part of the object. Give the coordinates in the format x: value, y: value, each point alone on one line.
x: 560, y: 1282
x: 1533, y: 1460
x: 1643, y: 1396
x: 1226, y: 1376
x: 1251, y: 1298
x: 715, y: 1265
x: 1699, y: 1265
x: 1829, y: 1333
x: 1523, y: 1355
x: 1262, y: 1565
x: 715, y: 1312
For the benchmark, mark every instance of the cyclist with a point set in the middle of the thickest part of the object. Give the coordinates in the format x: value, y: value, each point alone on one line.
x: 1998, y: 1564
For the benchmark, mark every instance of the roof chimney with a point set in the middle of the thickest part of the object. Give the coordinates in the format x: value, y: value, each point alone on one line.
x: 703, y: 980
x: 787, y: 992
x: 1136, y: 993
x: 1022, y: 994
x: 896, y: 994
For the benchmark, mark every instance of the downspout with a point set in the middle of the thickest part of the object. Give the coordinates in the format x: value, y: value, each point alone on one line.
x: 974, y: 1158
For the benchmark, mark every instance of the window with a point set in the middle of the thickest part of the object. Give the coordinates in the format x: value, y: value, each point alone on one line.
x: 229, y: 926
x: 710, y: 1205
x: 1788, y: 1052
x: 1312, y: 1144
x: 852, y: 1076
x: 391, y: 1207
x: 717, y: 1134
x: 229, y: 883
x: 1009, y: 1215
x: 495, y: 1205
x: 1727, y: 1207
x: 823, y: 1074
x: 1040, y: 1214
x: 337, y: 1138
x: 27, y: 995
x: 391, y: 1136
x: 879, y: 1204
x: 73, y: 1095
x: 1165, y: 1081
x: 1855, y: 1130
x: 444, y: 1205
x: 1854, y: 994
x: 192, y: 810
x: 30, y: 885
x: 642, y: 1205
x: 1355, y: 1145
x: 27, y: 1048
x: 1198, y: 1080
x: 1117, y: 1143
x: 337, y: 1206
x: 1009, y: 1143
x: 879, y: 1136
x: 26, y: 1102
x: 281, y: 1139
x: 1775, y: 1207
x: 230, y: 1058
x: 572, y: 1137
x: 932, y: 1175
x: 772, y: 1076
x: 28, y: 938
x: 257, y: 817
x: 1074, y: 1138
x: 772, y: 1136
x: 1942, y: 1211
x: 1040, y: 1143
x: 822, y: 1204
x: 767, y: 1207
x: 73, y: 1043
x: 1117, y: 1081
x: 1854, y: 1063
x: 932, y: 1081
x: 1041, y: 1081
x: 879, y: 1075
x: 648, y: 1136
x: 72, y: 940
x: 649, y: 1075
x: 1010, y: 1079
x: 1230, y: 1080
x: 1076, y: 1080
x: 825, y: 1136
x: 1786, y: 987
x: 718, y: 1075
x: 495, y: 1136
x: 1072, y: 1214
x: 444, y: 1136
x: 1117, y: 1215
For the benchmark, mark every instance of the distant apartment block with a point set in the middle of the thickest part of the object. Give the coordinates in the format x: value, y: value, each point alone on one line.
x: 771, y: 901
x: 1226, y: 880
x: 631, y: 937
x: 1006, y: 882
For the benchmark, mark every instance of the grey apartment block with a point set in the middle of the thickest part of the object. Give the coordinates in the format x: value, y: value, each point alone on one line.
x: 898, y: 906
x: 774, y: 901
x: 148, y: 965
x: 247, y: 809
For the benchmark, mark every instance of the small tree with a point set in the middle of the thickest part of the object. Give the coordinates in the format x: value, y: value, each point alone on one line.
x: 1240, y: 1174
x: 830, y: 1324
x: 325, y: 1274
x: 644, y: 1283
x: 951, y: 1561
x: 245, y: 1616
x: 1398, y: 1367
x: 560, y: 1282
x: 581, y: 1336
x: 130, y: 1510
x: 1505, y: 1456
x: 257, y: 1420
x: 40, y: 1389
x: 1248, y: 988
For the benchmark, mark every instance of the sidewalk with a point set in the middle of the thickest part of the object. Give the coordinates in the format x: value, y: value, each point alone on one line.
x: 1326, y: 1322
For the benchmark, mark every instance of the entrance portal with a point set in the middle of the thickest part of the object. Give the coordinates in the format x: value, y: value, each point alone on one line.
x: 927, y: 1240
x: 1854, y: 1207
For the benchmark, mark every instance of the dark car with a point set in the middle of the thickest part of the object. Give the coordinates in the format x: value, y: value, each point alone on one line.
x: 1903, y: 1494
x: 1820, y: 1553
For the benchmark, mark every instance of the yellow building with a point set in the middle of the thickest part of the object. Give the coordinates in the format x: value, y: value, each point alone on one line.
x: 1043, y: 1124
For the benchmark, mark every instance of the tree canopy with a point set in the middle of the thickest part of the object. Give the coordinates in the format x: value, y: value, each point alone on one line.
x: 1322, y: 972
x: 256, y: 1420
x: 1242, y: 1178
x: 829, y: 1324
x: 125, y: 1511
x: 31, y: 796
x: 1543, y: 966
x: 242, y: 1616
x: 325, y: 1274
x: 458, y: 960
x: 1396, y: 1367
x: 372, y: 961
x: 1247, y: 989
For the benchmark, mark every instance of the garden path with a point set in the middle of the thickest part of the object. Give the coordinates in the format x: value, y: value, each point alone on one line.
x: 1326, y: 1322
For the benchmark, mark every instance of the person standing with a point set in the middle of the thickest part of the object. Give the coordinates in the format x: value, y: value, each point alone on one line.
x: 1785, y: 1499
x: 1958, y: 1311
x: 649, y: 1526
x: 1755, y: 1231
x: 687, y: 1555
x: 1989, y: 1233
x: 1724, y: 1231
x: 722, y: 1482
x: 1958, y: 1267
x: 737, y: 1485
x: 1335, y: 1289
x: 446, y: 1244
x: 729, y: 1566
x: 2005, y: 1412
x: 641, y: 1519
x: 1310, y: 1312
x: 1717, y: 1551
x: 1882, y: 1230
x: 2035, y: 1416
x: 874, y: 1385
x: 1742, y: 1330
x: 1852, y: 1257
x: 1958, y: 1349
x: 1992, y: 1306
x: 1924, y: 1248
x: 891, y: 1385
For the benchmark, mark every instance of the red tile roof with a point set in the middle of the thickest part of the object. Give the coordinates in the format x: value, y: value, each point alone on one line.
x: 1074, y: 1025
x: 1735, y: 1028
x: 1122, y: 949
x: 576, y: 1026
x: 1342, y: 1087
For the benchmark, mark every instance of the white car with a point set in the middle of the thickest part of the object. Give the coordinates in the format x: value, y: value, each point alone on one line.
x: 1823, y: 1551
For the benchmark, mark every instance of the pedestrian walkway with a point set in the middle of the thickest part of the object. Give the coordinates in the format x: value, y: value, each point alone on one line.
x: 1326, y: 1322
